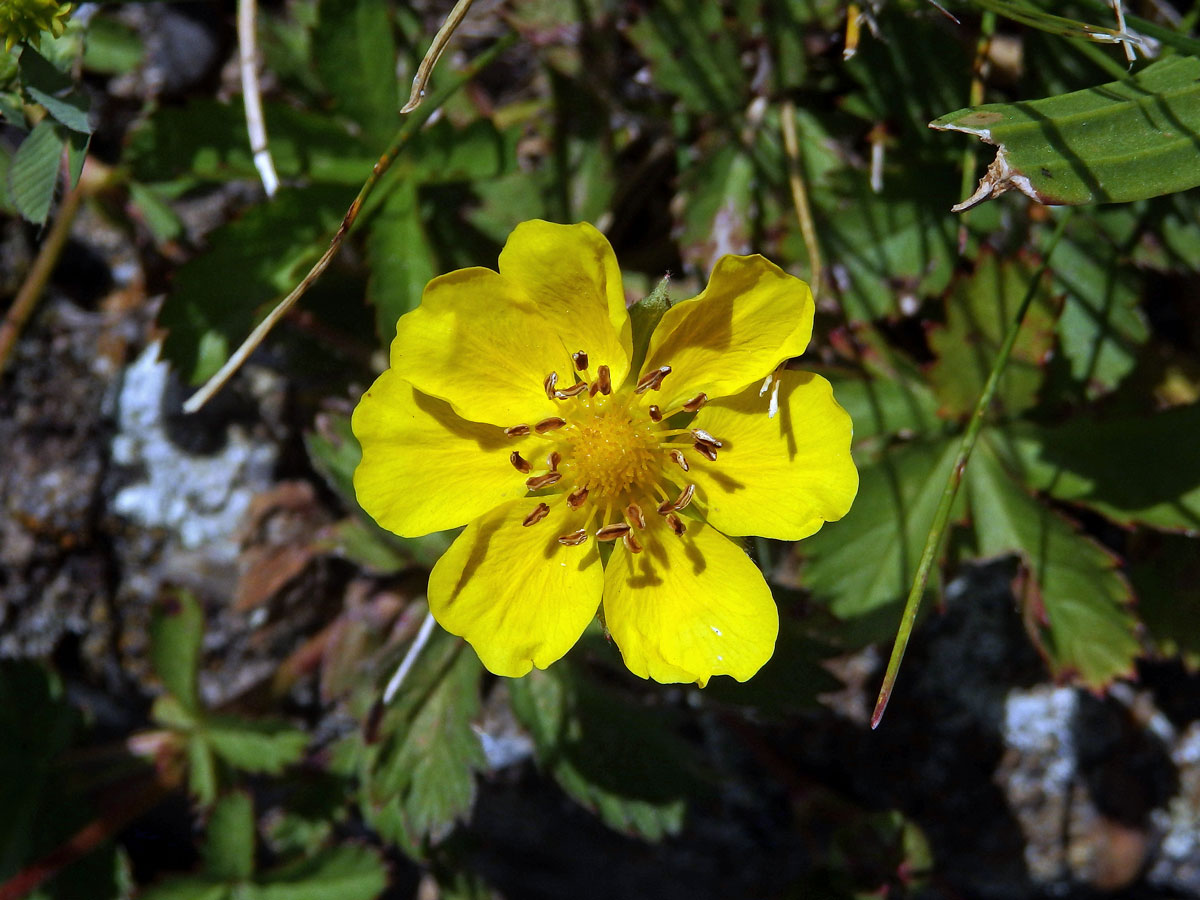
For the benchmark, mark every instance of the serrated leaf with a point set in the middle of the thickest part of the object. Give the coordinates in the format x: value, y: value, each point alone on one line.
x: 979, y: 310
x: 344, y: 873
x: 46, y: 85
x: 176, y: 632
x: 254, y: 745
x: 422, y: 780
x: 1165, y: 577
x: 400, y: 256
x: 885, y: 406
x: 1126, y: 140
x: 612, y: 756
x: 1070, y: 589
x: 1134, y: 469
x: 33, y: 174
x: 230, y: 838
x: 218, y: 295
x: 866, y: 562
x: 77, y: 148
x: 357, y: 63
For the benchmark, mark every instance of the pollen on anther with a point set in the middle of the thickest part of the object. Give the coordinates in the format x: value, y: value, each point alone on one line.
x: 701, y: 435
x: 676, y: 524
x: 576, y: 498
x: 550, y: 383
x: 635, y: 515
x: 537, y: 482
x: 522, y: 465
x: 574, y: 539
x: 652, y: 380
x: 549, y: 424
x: 581, y: 360
x: 696, y: 402
x: 632, y: 544
x: 516, y: 431
x: 604, y: 379
x: 553, y: 460
x: 678, y: 459
x: 539, y: 512
x: 708, y: 451
x: 612, y: 532
x: 685, y: 497
x: 573, y: 391
x: 655, y: 413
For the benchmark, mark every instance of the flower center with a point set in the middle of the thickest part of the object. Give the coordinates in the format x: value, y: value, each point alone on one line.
x: 612, y: 454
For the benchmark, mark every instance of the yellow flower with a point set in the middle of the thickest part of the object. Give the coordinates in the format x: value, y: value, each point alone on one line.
x: 25, y: 20
x: 510, y: 405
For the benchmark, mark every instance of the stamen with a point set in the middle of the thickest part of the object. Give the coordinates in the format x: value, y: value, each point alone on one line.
x: 677, y: 458
x: 685, y: 497
x: 573, y: 391
x: 549, y: 424
x: 537, y: 482
x: 632, y: 544
x: 549, y: 383
x: 523, y: 466
x: 676, y: 524
x: 612, y: 532
x: 604, y: 379
x: 581, y: 360
x: 708, y: 451
x: 666, y: 507
x: 576, y: 498
x: 696, y: 402
x: 636, y: 517
x: 553, y: 460
x: 540, y: 512
x: 703, y: 436
x: 574, y: 539
x: 594, y: 389
x: 517, y: 431
x: 652, y: 380
x: 655, y: 413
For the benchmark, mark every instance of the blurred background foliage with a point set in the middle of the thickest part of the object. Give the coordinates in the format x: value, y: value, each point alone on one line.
x: 664, y: 124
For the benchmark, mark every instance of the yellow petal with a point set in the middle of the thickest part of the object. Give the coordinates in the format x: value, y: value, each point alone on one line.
x: 782, y: 477
x: 479, y: 343
x: 571, y: 274
x: 750, y: 318
x: 519, y: 597
x: 423, y: 467
x: 690, y: 607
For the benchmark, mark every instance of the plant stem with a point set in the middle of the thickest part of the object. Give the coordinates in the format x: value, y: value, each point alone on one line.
x: 942, y: 515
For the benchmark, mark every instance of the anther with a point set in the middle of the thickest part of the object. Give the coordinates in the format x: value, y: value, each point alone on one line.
x: 594, y: 389
x: 704, y: 437
x: 553, y: 460
x: 540, y: 512
x: 523, y: 466
x: 666, y: 507
x: 549, y: 424
x: 632, y: 544
x: 576, y: 498
x: 581, y: 360
x: 676, y: 524
x: 549, y: 384
x: 696, y: 402
x: 573, y: 391
x: 652, y: 380
x: 517, y: 431
x: 612, y: 532
x: 537, y: 482
x: 685, y: 497
x: 604, y: 379
x: 677, y: 458
x: 708, y: 451
x: 655, y: 413
x: 636, y: 517
x: 574, y: 539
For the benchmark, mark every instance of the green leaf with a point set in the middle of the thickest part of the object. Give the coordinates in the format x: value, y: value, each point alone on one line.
x: 33, y: 174
x: 885, y: 406
x: 249, y: 262
x: 230, y: 838
x: 644, y: 316
x: 1134, y: 468
x: 356, y: 58
x: 979, y: 310
x: 865, y: 563
x: 1126, y: 140
x: 189, y: 888
x: 339, y: 873
x: 422, y: 779
x: 254, y: 745
x: 112, y: 47
x: 614, y: 757
x: 176, y: 632
x: 77, y: 148
x: 202, y: 770
x: 157, y: 214
x: 1165, y: 578
x: 46, y: 85
x: 401, y: 259
x: 716, y: 207
x: 1073, y: 597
